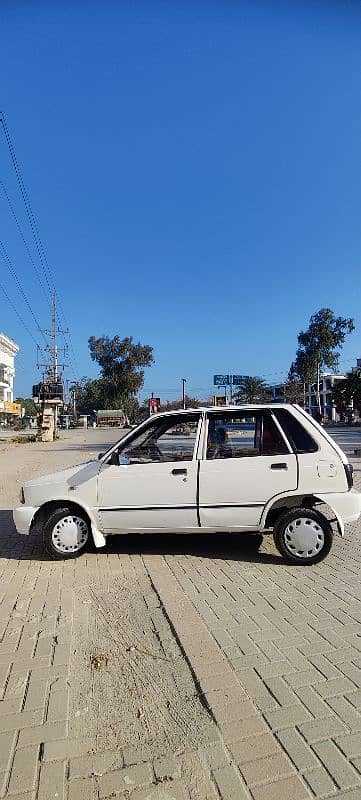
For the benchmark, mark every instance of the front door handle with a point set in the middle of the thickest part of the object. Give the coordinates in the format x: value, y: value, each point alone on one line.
x: 279, y: 466
x: 179, y: 471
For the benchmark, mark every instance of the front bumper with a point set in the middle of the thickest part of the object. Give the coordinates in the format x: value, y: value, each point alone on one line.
x: 23, y: 517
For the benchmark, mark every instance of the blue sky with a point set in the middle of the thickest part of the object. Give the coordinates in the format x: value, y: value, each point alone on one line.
x: 195, y: 171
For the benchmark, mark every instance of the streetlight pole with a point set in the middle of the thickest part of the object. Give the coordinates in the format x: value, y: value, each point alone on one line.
x: 184, y: 381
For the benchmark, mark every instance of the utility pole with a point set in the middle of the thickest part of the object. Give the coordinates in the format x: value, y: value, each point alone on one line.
x: 53, y: 385
x: 318, y: 388
x: 52, y: 366
x: 184, y: 381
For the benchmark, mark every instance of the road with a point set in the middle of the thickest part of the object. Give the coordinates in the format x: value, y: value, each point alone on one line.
x: 175, y: 668
x: 346, y: 436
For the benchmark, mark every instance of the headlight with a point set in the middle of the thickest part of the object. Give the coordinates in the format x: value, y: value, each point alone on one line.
x: 22, y: 496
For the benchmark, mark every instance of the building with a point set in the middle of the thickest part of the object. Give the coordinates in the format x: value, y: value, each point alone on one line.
x: 326, y: 385
x: 8, y: 351
x: 111, y: 418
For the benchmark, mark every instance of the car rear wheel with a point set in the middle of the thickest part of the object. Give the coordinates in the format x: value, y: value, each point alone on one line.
x: 303, y: 536
x: 65, y: 534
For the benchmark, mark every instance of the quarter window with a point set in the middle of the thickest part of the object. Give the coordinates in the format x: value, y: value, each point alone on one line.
x: 232, y: 435
x: 299, y: 439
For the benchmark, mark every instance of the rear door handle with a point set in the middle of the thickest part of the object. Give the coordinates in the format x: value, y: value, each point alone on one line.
x: 179, y: 471
x: 279, y: 466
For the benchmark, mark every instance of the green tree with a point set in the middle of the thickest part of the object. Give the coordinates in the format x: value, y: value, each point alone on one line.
x: 174, y: 405
x: 347, y: 394
x: 253, y: 390
x: 28, y: 404
x: 122, y: 364
x: 294, y: 392
x: 318, y: 347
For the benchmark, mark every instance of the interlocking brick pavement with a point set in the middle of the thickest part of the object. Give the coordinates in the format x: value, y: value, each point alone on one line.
x: 292, y: 637
x: 274, y: 652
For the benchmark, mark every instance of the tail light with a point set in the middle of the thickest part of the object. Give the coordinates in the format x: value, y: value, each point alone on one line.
x: 349, y: 475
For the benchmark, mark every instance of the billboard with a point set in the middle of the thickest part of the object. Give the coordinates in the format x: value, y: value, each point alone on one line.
x: 228, y: 380
x: 12, y: 408
x: 221, y: 380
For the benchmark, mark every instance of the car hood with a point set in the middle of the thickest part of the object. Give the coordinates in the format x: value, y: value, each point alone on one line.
x: 73, y: 476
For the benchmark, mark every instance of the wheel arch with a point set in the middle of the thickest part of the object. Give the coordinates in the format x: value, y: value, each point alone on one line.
x: 51, y: 506
x: 280, y: 505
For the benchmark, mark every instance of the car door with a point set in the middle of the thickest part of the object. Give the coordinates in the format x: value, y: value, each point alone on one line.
x: 154, y: 485
x: 246, y: 461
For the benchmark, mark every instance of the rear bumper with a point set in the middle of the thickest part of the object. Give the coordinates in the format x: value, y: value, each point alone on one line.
x: 23, y: 517
x: 346, y: 505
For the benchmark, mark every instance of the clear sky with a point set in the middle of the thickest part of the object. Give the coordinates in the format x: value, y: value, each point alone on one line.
x: 196, y: 175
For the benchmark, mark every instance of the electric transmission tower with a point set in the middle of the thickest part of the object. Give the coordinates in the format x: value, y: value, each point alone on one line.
x: 53, y: 369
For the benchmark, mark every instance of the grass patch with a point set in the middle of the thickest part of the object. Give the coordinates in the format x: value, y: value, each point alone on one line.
x: 22, y: 439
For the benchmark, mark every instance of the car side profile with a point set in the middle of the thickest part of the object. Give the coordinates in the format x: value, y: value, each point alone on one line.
x: 253, y: 468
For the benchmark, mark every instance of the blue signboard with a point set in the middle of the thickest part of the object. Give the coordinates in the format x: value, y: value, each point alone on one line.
x: 237, y: 380
x: 221, y: 380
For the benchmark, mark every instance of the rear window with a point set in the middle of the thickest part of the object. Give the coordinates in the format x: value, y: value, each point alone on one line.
x: 299, y: 439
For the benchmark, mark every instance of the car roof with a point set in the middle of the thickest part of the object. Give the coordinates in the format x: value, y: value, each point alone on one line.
x: 243, y: 407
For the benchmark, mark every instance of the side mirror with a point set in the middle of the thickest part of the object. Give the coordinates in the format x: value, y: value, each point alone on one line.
x: 114, y: 458
x: 100, y: 455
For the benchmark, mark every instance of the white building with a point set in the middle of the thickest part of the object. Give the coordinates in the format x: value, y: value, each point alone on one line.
x: 8, y: 351
x: 326, y: 384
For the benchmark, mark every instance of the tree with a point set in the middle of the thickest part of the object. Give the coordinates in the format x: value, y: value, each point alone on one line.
x: 347, y: 394
x: 252, y: 389
x: 294, y: 392
x: 28, y: 404
x: 122, y: 364
x: 317, y: 347
x: 174, y: 405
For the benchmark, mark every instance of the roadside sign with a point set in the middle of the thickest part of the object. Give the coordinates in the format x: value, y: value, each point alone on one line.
x: 154, y: 405
x: 221, y: 380
x: 219, y: 400
x: 237, y: 380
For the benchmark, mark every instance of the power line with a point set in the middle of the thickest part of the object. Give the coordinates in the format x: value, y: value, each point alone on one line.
x: 37, y: 272
x: 27, y: 204
x: 2, y: 287
x: 12, y: 270
x: 47, y: 271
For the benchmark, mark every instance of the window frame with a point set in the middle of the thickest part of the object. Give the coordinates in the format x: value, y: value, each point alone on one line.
x: 259, y: 411
x: 173, y: 419
x: 294, y: 449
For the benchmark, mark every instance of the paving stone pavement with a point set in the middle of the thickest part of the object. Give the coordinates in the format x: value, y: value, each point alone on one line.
x: 96, y: 697
x: 260, y: 662
x: 290, y: 639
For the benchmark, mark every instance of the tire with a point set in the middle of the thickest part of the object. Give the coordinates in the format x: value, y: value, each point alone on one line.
x: 66, y: 534
x: 303, y: 536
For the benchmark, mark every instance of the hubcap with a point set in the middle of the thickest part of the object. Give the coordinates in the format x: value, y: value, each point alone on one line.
x: 70, y: 534
x: 304, y: 537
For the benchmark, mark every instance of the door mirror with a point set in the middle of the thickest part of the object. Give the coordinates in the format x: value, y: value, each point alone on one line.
x: 100, y: 455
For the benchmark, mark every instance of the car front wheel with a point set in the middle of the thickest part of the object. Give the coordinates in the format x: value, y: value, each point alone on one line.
x: 65, y: 534
x: 303, y: 536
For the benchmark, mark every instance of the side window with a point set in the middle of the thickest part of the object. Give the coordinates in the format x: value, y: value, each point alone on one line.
x: 299, y: 439
x: 165, y: 439
x: 235, y: 435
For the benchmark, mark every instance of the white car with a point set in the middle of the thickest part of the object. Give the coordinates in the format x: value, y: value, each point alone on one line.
x: 253, y: 468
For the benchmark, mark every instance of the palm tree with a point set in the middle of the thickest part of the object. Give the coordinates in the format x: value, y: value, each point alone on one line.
x: 252, y: 390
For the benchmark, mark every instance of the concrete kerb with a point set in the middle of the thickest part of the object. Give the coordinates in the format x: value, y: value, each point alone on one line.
x: 245, y: 737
